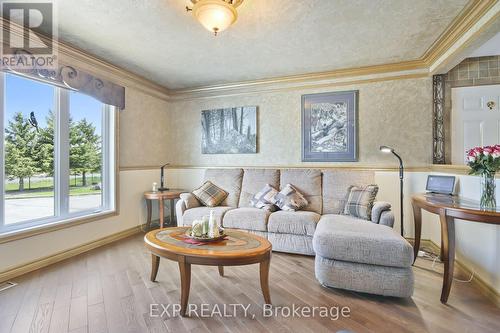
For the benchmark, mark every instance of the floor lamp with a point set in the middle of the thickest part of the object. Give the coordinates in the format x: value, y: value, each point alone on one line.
x: 386, y: 149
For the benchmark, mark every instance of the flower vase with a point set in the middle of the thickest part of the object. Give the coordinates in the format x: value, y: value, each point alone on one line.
x: 488, y: 187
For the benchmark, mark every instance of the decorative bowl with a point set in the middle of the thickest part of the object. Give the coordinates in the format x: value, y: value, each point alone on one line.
x: 205, y: 238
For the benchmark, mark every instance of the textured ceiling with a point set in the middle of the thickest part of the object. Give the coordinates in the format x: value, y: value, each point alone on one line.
x: 160, y: 41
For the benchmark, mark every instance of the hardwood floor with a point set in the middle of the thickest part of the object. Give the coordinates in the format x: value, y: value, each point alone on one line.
x: 108, y: 290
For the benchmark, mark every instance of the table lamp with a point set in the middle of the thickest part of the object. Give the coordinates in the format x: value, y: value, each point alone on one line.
x: 386, y: 149
x: 162, y: 178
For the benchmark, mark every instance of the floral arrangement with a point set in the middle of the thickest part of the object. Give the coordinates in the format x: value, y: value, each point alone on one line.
x: 484, y: 160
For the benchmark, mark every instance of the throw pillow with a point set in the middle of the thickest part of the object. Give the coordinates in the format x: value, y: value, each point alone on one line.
x: 360, y: 201
x: 210, y: 194
x: 264, y: 198
x: 290, y: 199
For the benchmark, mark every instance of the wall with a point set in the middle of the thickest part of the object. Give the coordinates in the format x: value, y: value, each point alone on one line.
x: 143, y: 131
x: 142, y: 140
x: 395, y: 112
x: 132, y: 213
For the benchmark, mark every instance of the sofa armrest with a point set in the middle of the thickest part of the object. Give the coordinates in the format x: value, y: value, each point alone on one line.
x: 378, y: 208
x: 189, y: 200
x: 180, y: 208
x: 387, y: 218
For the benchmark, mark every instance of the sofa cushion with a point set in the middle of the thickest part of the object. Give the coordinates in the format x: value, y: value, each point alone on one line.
x: 347, y: 238
x: 229, y: 180
x: 264, y: 199
x: 336, y: 185
x: 308, y: 182
x: 197, y: 213
x: 299, y: 244
x: 246, y: 218
x: 254, y: 180
x: 289, y: 199
x: 210, y: 194
x: 360, y: 201
x: 298, y: 223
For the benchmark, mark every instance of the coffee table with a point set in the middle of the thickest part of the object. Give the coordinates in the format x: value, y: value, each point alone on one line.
x: 240, y: 248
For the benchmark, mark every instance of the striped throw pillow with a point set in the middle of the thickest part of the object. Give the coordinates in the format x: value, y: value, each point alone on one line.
x: 210, y: 194
x: 360, y: 201
x: 264, y: 198
x: 290, y: 199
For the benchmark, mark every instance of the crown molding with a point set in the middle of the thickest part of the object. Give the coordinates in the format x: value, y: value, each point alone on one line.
x: 313, y: 84
x: 97, y: 66
x: 74, y: 56
x: 482, y: 30
x: 472, y: 13
x: 304, y: 78
x: 468, y: 17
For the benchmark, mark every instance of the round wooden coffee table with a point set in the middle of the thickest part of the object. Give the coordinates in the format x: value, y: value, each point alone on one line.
x: 240, y: 248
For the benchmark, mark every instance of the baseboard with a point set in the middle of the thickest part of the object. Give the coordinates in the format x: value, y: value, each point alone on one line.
x: 63, y: 255
x: 485, y: 288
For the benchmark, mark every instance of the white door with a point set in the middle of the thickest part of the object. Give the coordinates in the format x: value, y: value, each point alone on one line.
x: 475, y: 119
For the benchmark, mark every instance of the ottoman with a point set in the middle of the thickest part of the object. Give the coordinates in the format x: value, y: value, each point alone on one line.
x: 362, y: 256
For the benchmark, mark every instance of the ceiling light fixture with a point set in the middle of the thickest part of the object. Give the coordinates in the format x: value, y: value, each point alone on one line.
x: 215, y: 15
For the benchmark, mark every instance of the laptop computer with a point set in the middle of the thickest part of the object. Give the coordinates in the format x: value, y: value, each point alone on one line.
x: 440, y: 184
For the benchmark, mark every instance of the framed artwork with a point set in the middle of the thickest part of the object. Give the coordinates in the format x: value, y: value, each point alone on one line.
x: 329, y: 127
x: 229, y: 130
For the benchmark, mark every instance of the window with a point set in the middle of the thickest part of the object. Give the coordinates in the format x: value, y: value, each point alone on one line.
x: 57, y: 154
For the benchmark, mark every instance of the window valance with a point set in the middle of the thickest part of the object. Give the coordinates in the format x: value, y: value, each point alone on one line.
x: 70, y: 77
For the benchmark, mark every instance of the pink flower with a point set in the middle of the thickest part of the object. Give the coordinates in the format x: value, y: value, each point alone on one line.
x: 487, y: 150
x: 478, y: 151
x: 471, y: 158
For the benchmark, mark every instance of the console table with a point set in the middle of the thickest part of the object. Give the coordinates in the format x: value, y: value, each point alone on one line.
x: 448, y: 208
x: 170, y: 195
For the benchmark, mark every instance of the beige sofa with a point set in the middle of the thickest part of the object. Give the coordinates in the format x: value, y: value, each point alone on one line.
x: 353, y: 254
x: 288, y: 231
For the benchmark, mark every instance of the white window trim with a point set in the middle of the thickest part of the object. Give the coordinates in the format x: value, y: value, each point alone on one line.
x: 2, y: 153
x: 62, y: 217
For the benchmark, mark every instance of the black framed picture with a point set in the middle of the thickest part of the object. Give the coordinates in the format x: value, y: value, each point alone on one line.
x: 329, y: 127
x: 229, y: 130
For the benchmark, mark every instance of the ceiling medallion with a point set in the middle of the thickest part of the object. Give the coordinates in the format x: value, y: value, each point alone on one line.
x: 215, y: 15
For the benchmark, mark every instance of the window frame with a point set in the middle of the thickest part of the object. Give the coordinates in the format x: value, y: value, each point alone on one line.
x: 62, y: 217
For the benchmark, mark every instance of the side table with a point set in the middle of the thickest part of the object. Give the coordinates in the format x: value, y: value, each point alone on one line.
x: 170, y: 195
x: 449, y: 208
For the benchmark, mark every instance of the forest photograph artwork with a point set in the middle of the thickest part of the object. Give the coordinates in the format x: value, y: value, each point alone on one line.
x: 229, y: 130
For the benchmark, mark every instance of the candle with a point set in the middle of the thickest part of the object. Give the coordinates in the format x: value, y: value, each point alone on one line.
x: 205, y: 225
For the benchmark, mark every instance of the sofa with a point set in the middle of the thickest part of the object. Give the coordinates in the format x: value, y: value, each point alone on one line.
x: 350, y: 253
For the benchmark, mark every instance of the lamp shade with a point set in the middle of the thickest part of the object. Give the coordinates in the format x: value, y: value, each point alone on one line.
x: 386, y: 149
x: 215, y: 15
